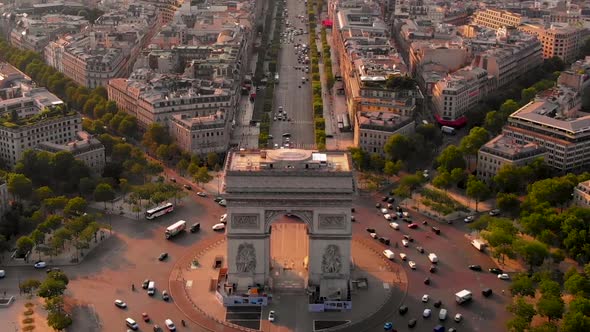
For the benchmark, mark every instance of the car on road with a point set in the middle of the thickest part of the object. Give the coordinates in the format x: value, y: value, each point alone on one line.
x: 145, y: 317
x: 374, y: 235
x: 425, y: 298
x: 271, y: 316
x: 495, y: 270
x: 503, y: 276
x: 409, y: 238
x: 170, y: 324
x: 165, y: 295
x: 412, y: 225
x: 187, y: 187
x: 420, y: 250
x: 412, y: 265
x: 173, y: 180
x: 458, y: 318
x: 370, y: 230
x: 195, y: 227
x: 163, y: 256
x: 426, y: 281
x: 469, y: 219
x: 412, y: 322
x: 403, y: 309
x: 222, y: 203
x: 384, y: 211
x: 405, y: 242
x: 218, y: 199
x: 403, y: 256
x: 2, y: 273
x: 436, y: 230
x: 120, y: 304
x: 475, y: 267
x: 223, y: 218
x: 201, y: 194
x: 494, y: 212
x: 388, y: 326
x: 432, y: 269
x: 378, y: 205
x: 394, y: 225
x: 157, y: 328
x: 40, y: 265
x: 487, y: 292
x: 145, y: 284
x: 390, y: 200
x: 384, y: 240
x: 426, y: 313
x: 442, y: 314
x: 218, y: 227
x: 384, y: 199
x: 437, y: 303
x: 387, y: 216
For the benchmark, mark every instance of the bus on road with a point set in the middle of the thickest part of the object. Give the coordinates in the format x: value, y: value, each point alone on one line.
x: 159, y: 211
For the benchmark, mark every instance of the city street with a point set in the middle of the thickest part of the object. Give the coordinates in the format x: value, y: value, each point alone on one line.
x: 290, y: 93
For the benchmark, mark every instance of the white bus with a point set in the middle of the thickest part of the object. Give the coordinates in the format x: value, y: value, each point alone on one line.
x: 159, y: 211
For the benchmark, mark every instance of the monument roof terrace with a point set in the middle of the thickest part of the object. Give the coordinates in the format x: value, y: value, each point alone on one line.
x: 288, y: 160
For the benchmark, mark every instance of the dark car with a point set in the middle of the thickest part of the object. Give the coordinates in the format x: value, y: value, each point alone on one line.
x: 384, y: 199
x: 390, y: 200
x: 145, y: 284
x: 352, y: 210
x: 420, y: 250
x: 195, y: 227
x: 487, y: 292
x: 378, y: 205
x: 157, y: 328
x: 475, y: 267
x: 384, y: 240
x: 399, y: 209
x: 496, y: 270
x: 218, y: 199
x: 403, y: 309
x: 187, y: 187
x: 436, y: 230
x: 432, y: 269
x: 437, y: 303
x: 409, y: 238
x: 371, y: 230
x: 163, y: 256
x: 427, y: 281
x: 165, y: 296
x: 412, y: 322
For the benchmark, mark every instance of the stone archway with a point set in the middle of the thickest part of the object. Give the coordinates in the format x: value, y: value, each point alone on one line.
x: 315, y: 187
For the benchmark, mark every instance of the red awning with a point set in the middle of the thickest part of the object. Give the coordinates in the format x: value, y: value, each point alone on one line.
x: 327, y: 23
x: 458, y: 123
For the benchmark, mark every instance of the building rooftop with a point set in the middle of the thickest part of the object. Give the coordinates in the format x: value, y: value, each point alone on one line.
x: 508, y: 148
x: 7, y: 122
x: 85, y: 143
x: 383, y: 121
x: 286, y: 160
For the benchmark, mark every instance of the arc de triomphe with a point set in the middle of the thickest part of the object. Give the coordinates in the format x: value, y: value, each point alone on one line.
x: 262, y: 185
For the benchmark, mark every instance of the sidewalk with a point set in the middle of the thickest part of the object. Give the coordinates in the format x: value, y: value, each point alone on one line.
x: 67, y: 257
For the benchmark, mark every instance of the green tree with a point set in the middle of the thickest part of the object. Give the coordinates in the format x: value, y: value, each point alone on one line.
x: 51, y: 287
x: 510, y: 178
x: 551, y: 307
x: 545, y: 327
x: 524, y: 313
x: 19, y: 185
x: 377, y: 163
x: 104, y: 193
x: 532, y: 252
x: 522, y: 285
x: 58, y: 320
x: 182, y: 166
x: 55, y: 203
x: 29, y: 285
x: 54, y: 304
x: 450, y: 158
x: 508, y: 203
x: 508, y: 107
x: 155, y: 136
x: 477, y: 190
x: 392, y: 168
x: 398, y: 147
x: 43, y: 193
x: 76, y: 205
x: 575, y: 321
x: 60, y: 276
x: 577, y: 284
x: 202, y: 175
x: 471, y: 143
x: 527, y: 95
x: 442, y: 180
x: 212, y: 159
x: 24, y: 244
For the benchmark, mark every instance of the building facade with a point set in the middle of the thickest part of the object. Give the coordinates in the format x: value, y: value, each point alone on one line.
x: 200, y: 135
x: 497, y: 18
x: 582, y: 194
x: 85, y: 148
x: 559, y: 39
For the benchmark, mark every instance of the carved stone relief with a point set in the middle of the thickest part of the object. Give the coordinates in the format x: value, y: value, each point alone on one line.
x: 270, y: 215
x: 246, y: 258
x: 331, y: 221
x: 282, y: 203
x: 332, y: 260
x: 245, y: 221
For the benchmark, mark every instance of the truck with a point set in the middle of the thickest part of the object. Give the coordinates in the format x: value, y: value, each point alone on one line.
x: 448, y: 130
x: 478, y: 244
x: 175, y: 228
x: 433, y: 258
x: 463, y: 296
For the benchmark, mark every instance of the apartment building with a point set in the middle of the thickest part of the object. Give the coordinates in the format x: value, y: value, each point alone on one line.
x: 503, y: 150
x: 458, y: 92
x: 554, y: 121
x: 512, y: 56
x: 582, y: 194
x: 85, y: 148
x: 450, y: 53
x: 577, y: 76
x: 201, y: 135
x: 373, y: 129
x: 154, y: 98
x: 559, y: 39
x: 497, y: 18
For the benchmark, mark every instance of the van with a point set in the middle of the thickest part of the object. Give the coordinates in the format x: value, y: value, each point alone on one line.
x: 131, y: 324
x: 389, y: 254
x: 442, y: 315
x: 394, y: 225
x: 151, y: 288
x: 433, y: 258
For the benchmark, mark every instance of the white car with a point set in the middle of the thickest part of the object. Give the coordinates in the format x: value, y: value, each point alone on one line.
x: 222, y: 202
x: 426, y: 313
x: 384, y: 211
x: 170, y: 324
x: 458, y: 318
x: 412, y: 265
x: 394, y: 225
x: 503, y: 276
x: 403, y: 256
x: 405, y: 242
x: 40, y: 265
x: 425, y: 298
x: 120, y: 303
x: 2, y: 273
x: 271, y: 316
x: 469, y: 219
x: 373, y: 235
x: 223, y: 218
x: 218, y: 227
x: 387, y: 216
